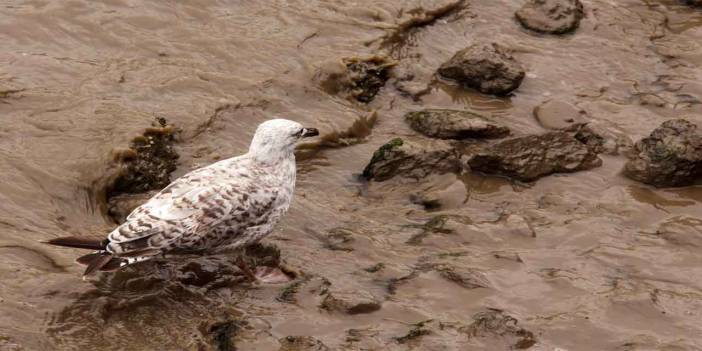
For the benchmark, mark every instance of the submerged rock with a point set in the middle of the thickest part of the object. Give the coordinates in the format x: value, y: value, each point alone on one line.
x: 489, y: 68
x: 351, y: 302
x: 555, y: 114
x: 358, y: 78
x: 451, y: 196
x: 670, y: 156
x: 454, y: 124
x: 531, y: 157
x: 301, y: 343
x: 412, y: 159
x: 551, y: 16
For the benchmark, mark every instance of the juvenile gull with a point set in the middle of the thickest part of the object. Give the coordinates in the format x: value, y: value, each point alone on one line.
x: 229, y: 205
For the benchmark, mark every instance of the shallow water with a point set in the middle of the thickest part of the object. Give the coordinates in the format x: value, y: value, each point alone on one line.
x: 585, y: 261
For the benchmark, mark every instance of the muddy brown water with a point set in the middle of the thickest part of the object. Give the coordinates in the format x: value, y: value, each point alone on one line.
x: 586, y: 261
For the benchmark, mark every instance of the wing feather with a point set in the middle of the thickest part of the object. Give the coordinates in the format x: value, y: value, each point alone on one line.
x: 191, y: 205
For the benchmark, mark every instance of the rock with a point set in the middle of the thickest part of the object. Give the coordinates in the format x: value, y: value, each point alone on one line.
x: 670, y: 156
x: 494, y: 323
x: 693, y: 2
x: 551, y: 16
x: 358, y: 78
x: 555, y: 114
x: 489, y: 68
x: 351, y: 302
x: 531, y: 157
x: 452, y: 196
x: 454, y: 124
x: 412, y: 159
x: 301, y: 343
x: 595, y: 141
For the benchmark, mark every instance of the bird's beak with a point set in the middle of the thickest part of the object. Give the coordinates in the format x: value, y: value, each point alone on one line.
x: 309, y: 132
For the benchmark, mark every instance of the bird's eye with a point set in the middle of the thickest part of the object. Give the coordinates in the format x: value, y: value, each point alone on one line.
x: 298, y: 133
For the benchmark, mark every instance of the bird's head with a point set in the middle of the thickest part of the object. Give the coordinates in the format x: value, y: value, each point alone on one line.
x: 277, y: 138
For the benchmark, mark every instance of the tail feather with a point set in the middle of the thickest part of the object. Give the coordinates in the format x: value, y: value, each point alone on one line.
x: 114, y: 264
x: 79, y: 243
x: 97, y: 262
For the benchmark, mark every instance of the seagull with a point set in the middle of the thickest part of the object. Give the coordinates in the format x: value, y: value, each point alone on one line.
x: 227, y: 205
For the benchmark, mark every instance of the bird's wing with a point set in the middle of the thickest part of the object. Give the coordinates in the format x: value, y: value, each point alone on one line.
x: 192, y: 205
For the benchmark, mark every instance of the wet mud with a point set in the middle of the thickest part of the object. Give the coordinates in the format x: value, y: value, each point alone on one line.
x: 430, y: 254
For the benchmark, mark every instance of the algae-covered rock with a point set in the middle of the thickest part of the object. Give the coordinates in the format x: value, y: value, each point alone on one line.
x: 148, y: 162
x: 357, y: 78
x: 531, y: 157
x: 551, y: 16
x: 411, y: 159
x: 489, y: 68
x: 670, y: 156
x: 454, y: 124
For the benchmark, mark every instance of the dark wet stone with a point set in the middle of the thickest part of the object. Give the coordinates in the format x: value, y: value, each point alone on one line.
x: 555, y: 114
x: 495, y: 323
x: 531, y: 157
x: 368, y: 76
x: 412, y: 159
x: 489, y: 68
x: 301, y: 343
x: 454, y: 124
x: 551, y: 16
x: 151, y: 166
x: 670, y: 156
x: 351, y: 302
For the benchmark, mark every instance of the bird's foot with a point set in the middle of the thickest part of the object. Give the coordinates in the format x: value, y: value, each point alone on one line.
x: 244, y: 267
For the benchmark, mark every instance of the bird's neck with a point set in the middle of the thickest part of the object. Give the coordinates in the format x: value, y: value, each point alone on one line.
x: 277, y: 162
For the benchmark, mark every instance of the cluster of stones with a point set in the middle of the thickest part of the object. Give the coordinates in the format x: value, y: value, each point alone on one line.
x: 465, y: 141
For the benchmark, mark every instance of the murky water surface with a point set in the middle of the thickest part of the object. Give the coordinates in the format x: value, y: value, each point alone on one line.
x: 586, y: 261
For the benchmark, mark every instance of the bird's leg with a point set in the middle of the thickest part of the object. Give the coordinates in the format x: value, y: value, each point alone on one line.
x: 244, y: 267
